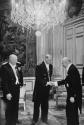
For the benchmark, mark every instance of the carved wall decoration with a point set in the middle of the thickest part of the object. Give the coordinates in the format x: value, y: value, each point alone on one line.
x: 31, y: 58
x: 13, y: 39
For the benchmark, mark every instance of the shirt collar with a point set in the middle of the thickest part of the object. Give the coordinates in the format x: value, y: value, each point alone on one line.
x: 67, y: 68
x: 46, y: 63
x: 13, y: 66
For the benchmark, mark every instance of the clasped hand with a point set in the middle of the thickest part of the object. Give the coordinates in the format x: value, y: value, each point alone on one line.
x: 52, y: 83
x: 72, y: 100
x: 9, y: 96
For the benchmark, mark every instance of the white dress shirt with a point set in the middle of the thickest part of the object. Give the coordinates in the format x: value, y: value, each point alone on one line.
x: 15, y: 73
x: 47, y: 66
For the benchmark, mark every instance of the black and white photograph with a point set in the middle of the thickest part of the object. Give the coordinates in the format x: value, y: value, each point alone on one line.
x: 41, y: 62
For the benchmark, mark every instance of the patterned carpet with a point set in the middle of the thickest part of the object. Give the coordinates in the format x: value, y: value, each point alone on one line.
x: 56, y: 114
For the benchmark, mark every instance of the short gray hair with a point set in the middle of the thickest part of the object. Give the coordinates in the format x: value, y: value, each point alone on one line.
x: 66, y: 59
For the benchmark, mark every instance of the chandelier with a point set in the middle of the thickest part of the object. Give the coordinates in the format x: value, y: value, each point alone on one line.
x: 38, y: 14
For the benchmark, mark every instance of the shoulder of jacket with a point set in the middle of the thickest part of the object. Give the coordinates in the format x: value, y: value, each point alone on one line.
x: 4, y: 63
x: 40, y: 64
x: 37, y: 66
x: 3, y: 66
x: 18, y: 64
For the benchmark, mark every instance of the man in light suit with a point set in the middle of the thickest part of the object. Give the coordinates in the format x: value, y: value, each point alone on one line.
x: 11, y: 81
x: 41, y: 91
x: 73, y: 86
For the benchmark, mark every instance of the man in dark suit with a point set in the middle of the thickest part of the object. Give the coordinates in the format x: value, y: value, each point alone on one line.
x: 41, y: 89
x: 83, y: 76
x: 73, y: 86
x: 11, y: 81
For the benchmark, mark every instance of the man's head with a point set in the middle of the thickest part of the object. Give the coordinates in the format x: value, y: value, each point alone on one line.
x: 65, y: 62
x: 13, y: 59
x: 48, y: 59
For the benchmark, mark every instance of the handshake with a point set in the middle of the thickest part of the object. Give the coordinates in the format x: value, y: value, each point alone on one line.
x: 51, y: 83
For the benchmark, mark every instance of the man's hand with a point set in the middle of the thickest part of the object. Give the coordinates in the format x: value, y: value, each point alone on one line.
x: 72, y: 100
x: 79, y: 112
x: 52, y: 83
x: 9, y: 96
x: 49, y: 83
x: 55, y: 83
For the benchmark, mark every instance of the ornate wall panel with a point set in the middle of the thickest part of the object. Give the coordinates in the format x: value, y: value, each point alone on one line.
x: 58, y: 50
x: 74, y: 42
x: 79, y: 50
x: 69, y: 42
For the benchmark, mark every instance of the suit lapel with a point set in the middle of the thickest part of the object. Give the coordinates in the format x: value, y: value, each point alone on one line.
x: 47, y: 72
x: 45, y: 68
x: 69, y: 68
x: 11, y: 70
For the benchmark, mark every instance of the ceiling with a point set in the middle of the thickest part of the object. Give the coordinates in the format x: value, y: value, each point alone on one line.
x: 5, y: 6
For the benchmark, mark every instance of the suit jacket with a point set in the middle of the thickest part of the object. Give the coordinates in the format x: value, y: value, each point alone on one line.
x: 41, y: 91
x: 8, y: 80
x: 73, y: 85
x: 83, y: 76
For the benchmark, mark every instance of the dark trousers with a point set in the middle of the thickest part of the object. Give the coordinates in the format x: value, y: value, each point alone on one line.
x: 11, y: 112
x: 18, y: 104
x: 44, y: 110
x: 72, y: 114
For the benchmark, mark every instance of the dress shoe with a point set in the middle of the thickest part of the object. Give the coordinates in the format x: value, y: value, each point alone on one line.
x: 45, y: 122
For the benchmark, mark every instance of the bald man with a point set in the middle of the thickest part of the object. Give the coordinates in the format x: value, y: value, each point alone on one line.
x: 73, y: 86
x: 41, y: 91
x: 11, y: 87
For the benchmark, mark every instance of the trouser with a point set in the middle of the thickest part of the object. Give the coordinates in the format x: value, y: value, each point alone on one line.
x: 18, y: 104
x: 44, y: 110
x: 72, y: 114
x: 11, y: 112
